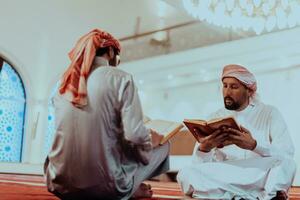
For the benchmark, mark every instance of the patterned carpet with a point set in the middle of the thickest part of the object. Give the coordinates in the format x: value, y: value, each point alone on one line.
x: 29, y: 187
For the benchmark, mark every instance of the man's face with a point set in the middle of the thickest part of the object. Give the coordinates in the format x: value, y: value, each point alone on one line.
x: 235, y: 94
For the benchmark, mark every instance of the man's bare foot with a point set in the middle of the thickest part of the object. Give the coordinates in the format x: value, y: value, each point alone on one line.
x: 144, y: 191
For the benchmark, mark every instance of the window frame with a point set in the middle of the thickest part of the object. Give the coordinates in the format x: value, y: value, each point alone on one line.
x: 30, y: 155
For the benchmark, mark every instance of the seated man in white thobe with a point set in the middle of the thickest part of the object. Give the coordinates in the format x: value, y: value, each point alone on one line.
x: 255, y: 163
x: 101, y: 149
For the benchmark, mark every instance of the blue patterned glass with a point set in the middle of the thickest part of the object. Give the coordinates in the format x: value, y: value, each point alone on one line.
x: 12, y: 109
x: 51, y: 123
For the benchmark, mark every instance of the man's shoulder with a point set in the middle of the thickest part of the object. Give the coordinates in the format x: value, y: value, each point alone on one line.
x: 113, y: 72
x: 116, y: 71
x: 268, y: 109
x: 265, y: 107
x: 221, y: 112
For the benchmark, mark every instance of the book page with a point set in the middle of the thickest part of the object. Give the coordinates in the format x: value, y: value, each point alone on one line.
x: 227, y: 122
x: 161, y: 126
x: 215, y: 120
x: 165, y: 128
x: 196, y: 121
x: 198, y: 128
x: 146, y: 119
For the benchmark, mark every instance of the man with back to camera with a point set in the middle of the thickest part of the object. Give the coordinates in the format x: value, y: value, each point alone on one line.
x: 101, y: 149
x: 256, y: 162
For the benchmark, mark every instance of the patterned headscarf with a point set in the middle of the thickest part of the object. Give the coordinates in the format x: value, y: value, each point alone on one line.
x: 242, y: 74
x: 73, y: 85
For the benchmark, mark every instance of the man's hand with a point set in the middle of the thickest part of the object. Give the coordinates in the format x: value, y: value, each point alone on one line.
x: 216, y: 139
x: 242, y: 139
x: 156, y: 138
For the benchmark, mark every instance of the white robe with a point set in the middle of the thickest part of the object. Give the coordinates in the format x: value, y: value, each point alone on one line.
x: 102, y: 150
x: 232, y: 172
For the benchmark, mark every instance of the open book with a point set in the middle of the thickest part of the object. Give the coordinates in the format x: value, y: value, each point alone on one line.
x: 166, y: 128
x: 201, y: 128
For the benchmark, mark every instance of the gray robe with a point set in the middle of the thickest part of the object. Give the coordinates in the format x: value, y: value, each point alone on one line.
x: 102, y: 150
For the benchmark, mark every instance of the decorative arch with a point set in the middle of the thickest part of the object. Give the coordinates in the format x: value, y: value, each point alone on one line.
x: 12, y: 113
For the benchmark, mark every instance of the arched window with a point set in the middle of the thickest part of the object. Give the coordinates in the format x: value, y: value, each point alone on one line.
x: 12, y: 113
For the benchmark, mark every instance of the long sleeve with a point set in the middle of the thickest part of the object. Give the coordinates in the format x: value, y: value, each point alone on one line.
x: 280, y: 141
x: 213, y: 156
x: 132, y: 120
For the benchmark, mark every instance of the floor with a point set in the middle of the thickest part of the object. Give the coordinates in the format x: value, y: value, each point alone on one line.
x: 31, y: 187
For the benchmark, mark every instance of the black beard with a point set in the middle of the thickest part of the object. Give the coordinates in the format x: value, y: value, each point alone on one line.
x: 233, y: 106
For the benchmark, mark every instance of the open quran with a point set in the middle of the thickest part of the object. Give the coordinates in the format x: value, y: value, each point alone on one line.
x: 202, y: 128
x: 166, y: 128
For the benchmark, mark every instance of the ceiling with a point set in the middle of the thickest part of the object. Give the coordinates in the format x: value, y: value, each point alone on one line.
x: 131, y: 21
x: 41, y: 24
x: 184, y: 32
x: 37, y: 35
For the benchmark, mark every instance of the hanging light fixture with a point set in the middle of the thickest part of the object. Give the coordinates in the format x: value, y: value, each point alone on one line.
x: 256, y: 15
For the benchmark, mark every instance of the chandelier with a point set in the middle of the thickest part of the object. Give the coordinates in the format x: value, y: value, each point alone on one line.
x: 256, y: 15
